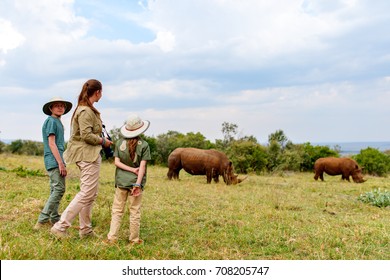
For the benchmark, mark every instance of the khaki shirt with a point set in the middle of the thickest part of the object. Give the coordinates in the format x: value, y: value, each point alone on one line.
x: 85, y: 140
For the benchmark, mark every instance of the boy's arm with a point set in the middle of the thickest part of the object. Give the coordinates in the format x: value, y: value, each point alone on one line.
x: 54, y: 149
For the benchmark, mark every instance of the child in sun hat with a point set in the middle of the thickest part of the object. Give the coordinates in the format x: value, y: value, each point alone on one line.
x: 54, y: 146
x: 131, y: 156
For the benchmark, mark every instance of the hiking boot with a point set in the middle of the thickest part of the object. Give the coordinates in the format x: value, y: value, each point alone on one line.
x: 91, y: 234
x: 39, y: 225
x: 58, y: 233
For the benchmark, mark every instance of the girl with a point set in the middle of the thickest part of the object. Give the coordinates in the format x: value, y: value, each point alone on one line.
x: 131, y: 155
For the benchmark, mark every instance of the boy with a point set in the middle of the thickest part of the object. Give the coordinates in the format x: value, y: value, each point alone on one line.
x: 54, y: 146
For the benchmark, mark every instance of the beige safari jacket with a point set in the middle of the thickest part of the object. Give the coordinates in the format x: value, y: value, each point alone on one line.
x: 85, y: 140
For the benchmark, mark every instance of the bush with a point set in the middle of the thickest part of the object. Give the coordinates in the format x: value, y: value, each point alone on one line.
x: 2, y: 147
x: 274, y: 154
x: 247, y: 156
x: 292, y: 158
x: 26, y: 147
x: 373, y: 161
x: 312, y: 153
x: 376, y: 198
x: 166, y: 143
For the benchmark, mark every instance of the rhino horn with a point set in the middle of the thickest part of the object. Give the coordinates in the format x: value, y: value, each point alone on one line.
x: 241, y: 180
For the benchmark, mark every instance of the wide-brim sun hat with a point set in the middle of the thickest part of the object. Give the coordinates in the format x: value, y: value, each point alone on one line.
x: 46, y: 107
x: 134, y: 126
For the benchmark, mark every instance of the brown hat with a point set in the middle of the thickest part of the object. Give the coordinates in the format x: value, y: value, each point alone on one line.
x: 46, y: 107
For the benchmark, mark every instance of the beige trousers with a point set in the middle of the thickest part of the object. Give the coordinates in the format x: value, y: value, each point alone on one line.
x: 83, y: 201
x: 118, y: 209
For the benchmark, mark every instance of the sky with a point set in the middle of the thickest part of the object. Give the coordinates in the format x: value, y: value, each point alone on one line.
x: 317, y: 69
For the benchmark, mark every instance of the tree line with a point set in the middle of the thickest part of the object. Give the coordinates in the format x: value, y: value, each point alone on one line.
x: 279, y: 154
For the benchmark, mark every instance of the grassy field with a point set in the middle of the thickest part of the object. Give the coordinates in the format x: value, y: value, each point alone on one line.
x: 270, y: 217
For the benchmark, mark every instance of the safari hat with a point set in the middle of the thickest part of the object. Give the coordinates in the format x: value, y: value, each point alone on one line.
x: 46, y: 107
x: 134, y: 126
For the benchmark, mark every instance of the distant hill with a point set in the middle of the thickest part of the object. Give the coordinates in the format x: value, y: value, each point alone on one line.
x: 353, y: 148
x: 6, y: 141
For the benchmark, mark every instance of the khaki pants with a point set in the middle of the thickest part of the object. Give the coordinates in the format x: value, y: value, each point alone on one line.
x: 83, y: 201
x: 118, y: 209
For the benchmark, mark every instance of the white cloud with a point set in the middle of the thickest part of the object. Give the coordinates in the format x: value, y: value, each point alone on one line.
x: 148, y: 89
x: 165, y: 40
x: 46, y: 23
x: 10, y: 38
x: 300, y: 66
x: 248, y: 28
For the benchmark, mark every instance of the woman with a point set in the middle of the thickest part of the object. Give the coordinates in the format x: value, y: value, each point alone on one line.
x: 131, y: 155
x: 84, y: 147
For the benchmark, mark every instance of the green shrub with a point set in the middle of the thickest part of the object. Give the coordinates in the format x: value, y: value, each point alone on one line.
x: 2, y: 147
x: 373, y: 161
x: 376, y: 198
x: 292, y: 158
x: 247, y: 156
x: 24, y: 172
x: 25, y: 147
x: 312, y: 153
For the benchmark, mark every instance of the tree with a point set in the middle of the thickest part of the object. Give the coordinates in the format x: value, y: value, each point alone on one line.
x: 195, y: 140
x: 229, y: 131
x: 279, y: 137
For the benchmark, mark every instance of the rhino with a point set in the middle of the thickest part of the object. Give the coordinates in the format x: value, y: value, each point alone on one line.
x: 338, y: 166
x: 211, y: 163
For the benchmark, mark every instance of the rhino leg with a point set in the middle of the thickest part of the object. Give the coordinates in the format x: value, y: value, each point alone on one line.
x: 345, y: 177
x: 215, y: 176
x: 173, y: 174
x: 209, y: 176
x: 320, y: 175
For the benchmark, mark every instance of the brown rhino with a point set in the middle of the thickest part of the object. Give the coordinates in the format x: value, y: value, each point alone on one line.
x: 211, y: 163
x: 338, y: 166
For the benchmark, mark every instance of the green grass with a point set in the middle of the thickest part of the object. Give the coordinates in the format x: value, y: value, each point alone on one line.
x: 287, y: 217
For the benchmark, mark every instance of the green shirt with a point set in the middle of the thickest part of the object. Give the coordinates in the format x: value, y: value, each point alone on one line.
x: 52, y: 126
x: 123, y: 178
